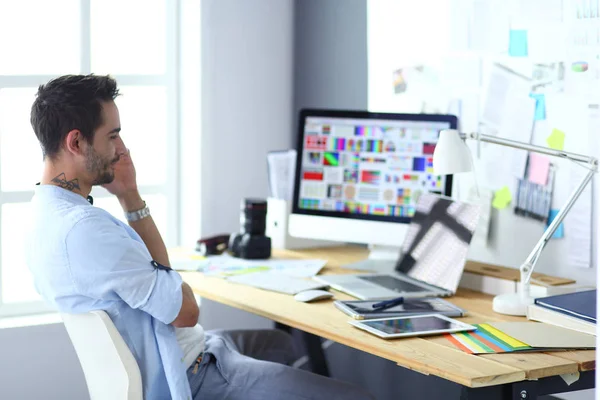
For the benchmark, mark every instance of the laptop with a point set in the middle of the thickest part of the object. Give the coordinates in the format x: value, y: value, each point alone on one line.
x: 433, y: 257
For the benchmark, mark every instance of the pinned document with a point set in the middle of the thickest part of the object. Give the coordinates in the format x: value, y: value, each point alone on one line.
x: 281, y: 170
x: 556, y: 140
x: 502, y: 198
x: 578, y: 228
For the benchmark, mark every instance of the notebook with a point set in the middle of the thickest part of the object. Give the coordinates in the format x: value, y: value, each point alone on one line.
x: 549, y: 316
x: 580, y: 305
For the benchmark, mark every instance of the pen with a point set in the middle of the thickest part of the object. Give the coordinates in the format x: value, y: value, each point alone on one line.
x: 388, y: 303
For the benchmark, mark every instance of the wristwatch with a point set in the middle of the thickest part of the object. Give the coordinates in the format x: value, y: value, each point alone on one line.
x: 138, y: 214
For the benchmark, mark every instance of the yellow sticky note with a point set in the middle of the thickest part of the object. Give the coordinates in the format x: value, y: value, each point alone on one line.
x: 502, y: 198
x: 556, y: 140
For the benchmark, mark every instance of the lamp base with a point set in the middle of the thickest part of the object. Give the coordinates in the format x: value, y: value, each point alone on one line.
x: 512, y: 304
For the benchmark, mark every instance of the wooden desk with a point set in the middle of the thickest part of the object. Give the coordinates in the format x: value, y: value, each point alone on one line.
x: 498, y: 374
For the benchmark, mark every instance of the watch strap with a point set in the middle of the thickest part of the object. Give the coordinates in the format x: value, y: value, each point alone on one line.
x: 138, y: 214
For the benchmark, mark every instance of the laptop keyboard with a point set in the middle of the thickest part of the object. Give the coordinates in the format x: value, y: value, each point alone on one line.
x: 391, y: 283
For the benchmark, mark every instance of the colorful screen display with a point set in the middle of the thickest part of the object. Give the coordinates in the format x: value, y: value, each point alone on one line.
x: 367, y: 166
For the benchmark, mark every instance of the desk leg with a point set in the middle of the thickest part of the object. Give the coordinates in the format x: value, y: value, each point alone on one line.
x: 314, y: 350
x: 316, y: 355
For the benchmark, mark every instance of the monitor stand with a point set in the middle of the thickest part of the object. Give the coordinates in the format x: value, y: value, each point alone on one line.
x: 381, y: 259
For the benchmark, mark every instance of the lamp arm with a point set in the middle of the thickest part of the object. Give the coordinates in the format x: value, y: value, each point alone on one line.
x: 529, y: 264
x: 530, y: 147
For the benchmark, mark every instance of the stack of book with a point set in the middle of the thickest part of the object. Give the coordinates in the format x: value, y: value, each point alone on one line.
x: 575, y: 311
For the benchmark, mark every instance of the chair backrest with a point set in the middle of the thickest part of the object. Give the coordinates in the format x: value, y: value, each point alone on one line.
x: 111, y: 372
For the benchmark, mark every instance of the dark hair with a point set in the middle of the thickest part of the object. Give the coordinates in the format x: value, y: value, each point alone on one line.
x: 70, y: 102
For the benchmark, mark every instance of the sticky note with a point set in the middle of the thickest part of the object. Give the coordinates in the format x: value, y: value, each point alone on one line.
x: 540, y: 106
x: 517, y: 45
x: 556, y: 140
x: 539, y: 168
x: 502, y: 198
x: 560, y: 231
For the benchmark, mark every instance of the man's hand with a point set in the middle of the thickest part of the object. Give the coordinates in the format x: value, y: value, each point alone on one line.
x: 124, y: 186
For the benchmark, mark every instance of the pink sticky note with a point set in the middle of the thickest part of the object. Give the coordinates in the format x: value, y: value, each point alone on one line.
x: 539, y: 167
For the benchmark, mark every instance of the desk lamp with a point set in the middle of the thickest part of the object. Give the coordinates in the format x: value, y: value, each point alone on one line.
x: 452, y: 156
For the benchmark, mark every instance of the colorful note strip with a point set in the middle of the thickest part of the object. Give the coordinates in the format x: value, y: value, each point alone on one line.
x: 559, y: 233
x: 540, y: 106
x: 556, y: 140
x: 539, y: 169
x: 486, y: 339
x: 517, y: 46
x: 502, y: 198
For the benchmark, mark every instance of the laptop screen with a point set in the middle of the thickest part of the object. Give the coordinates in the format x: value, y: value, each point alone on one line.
x: 436, y: 245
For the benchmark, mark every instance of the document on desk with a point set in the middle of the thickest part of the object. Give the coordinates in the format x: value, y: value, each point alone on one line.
x: 225, y: 265
x: 186, y: 260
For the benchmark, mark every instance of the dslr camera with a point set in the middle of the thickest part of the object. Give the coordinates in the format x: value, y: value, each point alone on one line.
x: 251, y: 242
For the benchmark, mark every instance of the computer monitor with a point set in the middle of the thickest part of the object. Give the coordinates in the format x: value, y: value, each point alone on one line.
x: 359, y: 175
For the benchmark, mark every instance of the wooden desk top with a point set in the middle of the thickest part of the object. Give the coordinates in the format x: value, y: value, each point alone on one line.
x: 431, y: 356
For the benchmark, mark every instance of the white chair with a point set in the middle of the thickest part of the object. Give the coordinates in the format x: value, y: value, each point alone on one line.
x: 110, y: 370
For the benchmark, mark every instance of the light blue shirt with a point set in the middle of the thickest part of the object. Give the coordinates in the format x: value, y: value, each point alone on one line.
x: 84, y: 259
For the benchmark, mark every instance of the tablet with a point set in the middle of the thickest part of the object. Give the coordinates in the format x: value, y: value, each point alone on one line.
x: 363, y: 309
x: 416, y: 325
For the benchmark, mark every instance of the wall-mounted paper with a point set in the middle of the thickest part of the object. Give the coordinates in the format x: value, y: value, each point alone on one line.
x: 517, y: 46
x: 518, y: 125
x: 502, y: 198
x: 578, y: 222
x: 503, y: 86
x: 556, y: 140
x: 539, y: 167
x: 508, y: 113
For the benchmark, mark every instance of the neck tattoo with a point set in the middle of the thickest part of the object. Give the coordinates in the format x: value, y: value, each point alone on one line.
x: 61, y: 180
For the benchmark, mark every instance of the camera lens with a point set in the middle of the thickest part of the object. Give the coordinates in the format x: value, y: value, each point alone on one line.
x: 253, y: 216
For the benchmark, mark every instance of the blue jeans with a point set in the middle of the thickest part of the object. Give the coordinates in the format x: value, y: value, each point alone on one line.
x: 251, y: 365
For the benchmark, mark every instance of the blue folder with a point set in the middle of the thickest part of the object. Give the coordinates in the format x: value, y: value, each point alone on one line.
x: 580, y: 305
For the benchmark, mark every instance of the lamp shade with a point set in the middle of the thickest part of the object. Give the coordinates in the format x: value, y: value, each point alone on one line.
x: 451, y: 154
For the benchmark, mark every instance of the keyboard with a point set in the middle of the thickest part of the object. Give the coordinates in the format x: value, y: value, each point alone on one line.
x: 277, y: 282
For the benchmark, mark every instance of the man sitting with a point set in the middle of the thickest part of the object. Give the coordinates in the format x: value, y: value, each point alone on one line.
x: 83, y: 259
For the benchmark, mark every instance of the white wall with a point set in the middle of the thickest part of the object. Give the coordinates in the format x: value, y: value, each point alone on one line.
x: 246, y: 102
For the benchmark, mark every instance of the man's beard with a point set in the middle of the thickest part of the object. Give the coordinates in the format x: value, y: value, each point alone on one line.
x: 100, y: 167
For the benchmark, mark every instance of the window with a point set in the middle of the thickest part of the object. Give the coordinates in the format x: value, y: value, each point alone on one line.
x: 42, y: 39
